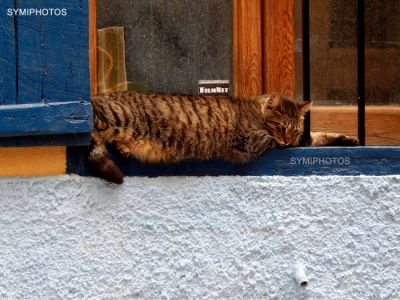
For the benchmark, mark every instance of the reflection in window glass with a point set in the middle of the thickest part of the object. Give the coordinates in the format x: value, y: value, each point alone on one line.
x: 383, y: 72
x: 333, y: 41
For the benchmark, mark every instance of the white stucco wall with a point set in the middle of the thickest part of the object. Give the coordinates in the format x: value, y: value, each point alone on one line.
x: 200, y: 238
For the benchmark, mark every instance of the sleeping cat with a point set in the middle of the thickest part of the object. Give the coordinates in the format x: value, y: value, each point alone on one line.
x: 161, y: 128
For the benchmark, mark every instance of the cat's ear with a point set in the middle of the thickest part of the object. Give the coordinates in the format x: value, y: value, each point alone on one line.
x: 269, y: 102
x: 274, y: 100
x: 304, y: 107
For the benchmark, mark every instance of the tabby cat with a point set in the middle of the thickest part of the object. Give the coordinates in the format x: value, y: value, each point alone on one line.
x: 161, y: 128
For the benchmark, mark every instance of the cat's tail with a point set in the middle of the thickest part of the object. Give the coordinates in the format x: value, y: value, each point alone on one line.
x: 101, y: 163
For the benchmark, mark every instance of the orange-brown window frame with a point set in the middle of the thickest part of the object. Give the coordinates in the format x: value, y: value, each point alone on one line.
x: 263, y: 47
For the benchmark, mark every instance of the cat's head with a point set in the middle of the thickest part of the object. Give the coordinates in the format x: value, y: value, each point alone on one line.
x: 285, y: 118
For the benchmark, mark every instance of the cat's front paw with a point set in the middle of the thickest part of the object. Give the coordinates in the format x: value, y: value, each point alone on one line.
x: 347, y: 140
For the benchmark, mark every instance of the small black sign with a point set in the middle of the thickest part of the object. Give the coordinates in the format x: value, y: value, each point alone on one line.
x: 214, y: 87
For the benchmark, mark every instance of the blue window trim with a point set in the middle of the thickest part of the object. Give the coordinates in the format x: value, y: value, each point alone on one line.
x: 324, y: 161
x: 42, y: 119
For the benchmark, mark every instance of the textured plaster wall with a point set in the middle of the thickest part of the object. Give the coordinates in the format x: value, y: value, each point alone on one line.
x: 199, y: 238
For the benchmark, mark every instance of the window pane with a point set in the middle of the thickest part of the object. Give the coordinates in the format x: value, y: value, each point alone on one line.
x: 333, y: 64
x: 333, y: 41
x: 383, y: 71
x: 170, y: 45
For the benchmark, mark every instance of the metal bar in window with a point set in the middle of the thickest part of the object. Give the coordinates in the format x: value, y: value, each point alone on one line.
x: 361, y: 69
x: 306, y: 63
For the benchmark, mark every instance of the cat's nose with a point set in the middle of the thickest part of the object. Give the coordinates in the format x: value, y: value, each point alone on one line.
x: 286, y: 141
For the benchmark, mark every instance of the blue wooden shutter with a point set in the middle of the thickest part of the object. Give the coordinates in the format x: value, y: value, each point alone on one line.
x: 44, y: 69
x: 7, y: 55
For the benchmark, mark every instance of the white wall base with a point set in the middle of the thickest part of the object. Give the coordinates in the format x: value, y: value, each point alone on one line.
x: 200, y: 238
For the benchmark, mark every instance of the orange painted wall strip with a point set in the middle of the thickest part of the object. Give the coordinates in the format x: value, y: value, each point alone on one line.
x: 35, y: 161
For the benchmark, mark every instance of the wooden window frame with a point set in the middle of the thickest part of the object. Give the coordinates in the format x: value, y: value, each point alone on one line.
x: 263, y: 61
x: 263, y: 47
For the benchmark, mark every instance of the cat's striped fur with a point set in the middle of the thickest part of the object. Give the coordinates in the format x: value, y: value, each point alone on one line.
x: 161, y: 128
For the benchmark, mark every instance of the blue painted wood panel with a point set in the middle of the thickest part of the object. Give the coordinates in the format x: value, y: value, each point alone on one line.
x: 284, y: 162
x: 53, y: 52
x: 44, y: 70
x: 8, y: 77
x: 52, y: 118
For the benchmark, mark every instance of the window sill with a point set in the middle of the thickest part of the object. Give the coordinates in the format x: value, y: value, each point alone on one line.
x: 371, y: 160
